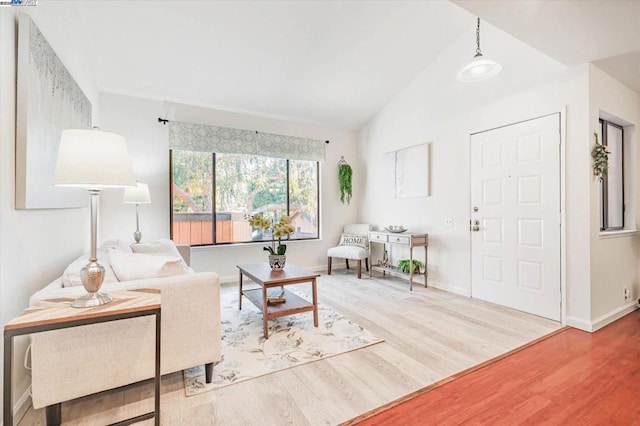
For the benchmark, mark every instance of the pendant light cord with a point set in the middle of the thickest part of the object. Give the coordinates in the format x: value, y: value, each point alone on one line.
x: 478, y: 52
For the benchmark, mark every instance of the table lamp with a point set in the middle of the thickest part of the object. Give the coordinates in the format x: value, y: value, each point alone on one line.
x: 94, y: 160
x: 137, y: 195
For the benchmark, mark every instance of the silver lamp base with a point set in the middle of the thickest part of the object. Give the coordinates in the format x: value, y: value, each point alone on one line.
x: 92, y: 276
x: 92, y: 299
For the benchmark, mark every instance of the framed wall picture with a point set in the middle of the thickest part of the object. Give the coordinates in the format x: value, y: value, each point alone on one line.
x: 48, y: 101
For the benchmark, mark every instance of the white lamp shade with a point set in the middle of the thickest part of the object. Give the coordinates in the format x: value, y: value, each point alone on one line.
x: 479, y: 69
x: 138, y: 194
x: 93, y: 159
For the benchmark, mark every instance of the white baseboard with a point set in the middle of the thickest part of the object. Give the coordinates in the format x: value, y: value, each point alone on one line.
x: 579, y: 323
x: 449, y: 288
x: 418, y: 280
x: 602, y: 321
x: 610, y: 317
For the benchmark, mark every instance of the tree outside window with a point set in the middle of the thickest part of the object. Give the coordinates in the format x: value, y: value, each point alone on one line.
x: 241, y: 185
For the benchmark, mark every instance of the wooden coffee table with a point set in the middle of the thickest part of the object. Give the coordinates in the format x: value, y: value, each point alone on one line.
x: 261, y: 274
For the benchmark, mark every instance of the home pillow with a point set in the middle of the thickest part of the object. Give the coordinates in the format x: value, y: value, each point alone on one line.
x: 354, y: 240
x: 162, y: 247
x: 137, y: 266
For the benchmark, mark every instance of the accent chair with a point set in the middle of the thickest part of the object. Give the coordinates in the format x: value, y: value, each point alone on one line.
x: 354, y: 245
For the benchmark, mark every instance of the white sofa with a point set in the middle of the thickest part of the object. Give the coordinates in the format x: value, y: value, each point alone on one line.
x: 70, y: 363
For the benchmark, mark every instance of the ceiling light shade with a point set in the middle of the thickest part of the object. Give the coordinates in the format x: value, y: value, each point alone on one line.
x: 138, y: 194
x: 93, y: 159
x: 480, y: 68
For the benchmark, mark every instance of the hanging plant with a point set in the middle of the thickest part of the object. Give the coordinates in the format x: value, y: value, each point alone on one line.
x: 600, y: 157
x: 344, y: 179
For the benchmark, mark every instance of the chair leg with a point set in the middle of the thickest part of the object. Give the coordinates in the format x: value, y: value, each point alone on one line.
x: 366, y: 263
x: 347, y: 260
x: 329, y: 266
x: 359, y: 267
x: 208, y: 372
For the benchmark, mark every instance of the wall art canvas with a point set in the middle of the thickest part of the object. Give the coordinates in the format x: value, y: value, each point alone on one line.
x: 406, y: 172
x: 412, y: 172
x: 48, y: 101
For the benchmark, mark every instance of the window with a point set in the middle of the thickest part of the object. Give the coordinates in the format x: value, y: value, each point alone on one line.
x: 212, y: 194
x: 612, y: 185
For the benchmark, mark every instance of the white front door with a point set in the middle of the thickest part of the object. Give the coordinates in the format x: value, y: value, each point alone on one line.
x: 515, y: 216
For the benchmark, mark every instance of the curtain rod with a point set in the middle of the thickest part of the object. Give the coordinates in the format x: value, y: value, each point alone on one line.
x: 165, y: 121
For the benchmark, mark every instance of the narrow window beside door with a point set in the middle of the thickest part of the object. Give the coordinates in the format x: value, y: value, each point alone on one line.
x: 612, y: 184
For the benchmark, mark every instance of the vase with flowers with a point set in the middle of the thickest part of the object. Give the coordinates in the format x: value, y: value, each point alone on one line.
x: 280, y: 229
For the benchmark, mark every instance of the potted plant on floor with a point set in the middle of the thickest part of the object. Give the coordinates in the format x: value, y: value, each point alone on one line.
x: 408, y: 267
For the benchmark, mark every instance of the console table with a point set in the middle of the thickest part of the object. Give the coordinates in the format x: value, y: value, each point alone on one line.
x: 405, y: 239
x: 57, y: 314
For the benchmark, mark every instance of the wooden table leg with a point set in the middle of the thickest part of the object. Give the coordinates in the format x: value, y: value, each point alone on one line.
x: 426, y: 270
x: 240, y: 293
x: 265, y: 320
x: 411, y: 269
x: 315, y: 302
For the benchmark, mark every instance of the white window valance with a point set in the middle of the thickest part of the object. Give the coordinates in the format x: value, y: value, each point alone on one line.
x: 224, y: 140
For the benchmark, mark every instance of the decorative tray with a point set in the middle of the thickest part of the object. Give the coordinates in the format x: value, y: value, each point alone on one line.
x: 395, y: 230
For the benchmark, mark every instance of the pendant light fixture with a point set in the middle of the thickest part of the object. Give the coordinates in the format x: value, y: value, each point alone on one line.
x: 480, y: 68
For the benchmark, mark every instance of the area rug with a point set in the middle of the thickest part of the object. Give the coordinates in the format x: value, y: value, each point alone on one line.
x: 293, y: 341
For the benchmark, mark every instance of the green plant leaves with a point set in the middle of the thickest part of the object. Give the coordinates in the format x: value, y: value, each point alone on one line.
x: 600, y: 160
x: 404, y: 265
x: 345, y: 173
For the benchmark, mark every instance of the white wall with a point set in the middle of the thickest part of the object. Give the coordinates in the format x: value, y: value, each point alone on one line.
x: 35, y: 245
x: 136, y: 119
x: 614, y: 260
x: 435, y: 108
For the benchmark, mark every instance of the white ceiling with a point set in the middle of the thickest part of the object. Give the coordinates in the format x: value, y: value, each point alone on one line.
x: 331, y: 62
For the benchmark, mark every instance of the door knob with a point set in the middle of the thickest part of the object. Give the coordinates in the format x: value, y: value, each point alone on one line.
x: 476, y: 226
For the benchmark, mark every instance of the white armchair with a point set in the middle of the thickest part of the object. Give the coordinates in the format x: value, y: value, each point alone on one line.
x: 354, y: 244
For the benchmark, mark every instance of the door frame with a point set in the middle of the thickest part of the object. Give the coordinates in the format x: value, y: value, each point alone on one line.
x: 562, y: 114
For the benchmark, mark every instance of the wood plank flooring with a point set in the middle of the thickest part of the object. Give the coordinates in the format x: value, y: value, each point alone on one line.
x: 429, y: 335
x: 570, y: 378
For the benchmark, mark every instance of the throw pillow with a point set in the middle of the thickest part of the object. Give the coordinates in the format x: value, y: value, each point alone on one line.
x: 137, y: 266
x: 115, y: 244
x: 163, y: 247
x: 354, y: 240
x: 71, y: 275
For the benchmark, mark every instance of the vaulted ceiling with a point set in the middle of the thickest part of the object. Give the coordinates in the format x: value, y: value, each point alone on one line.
x: 331, y: 62
x: 573, y: 32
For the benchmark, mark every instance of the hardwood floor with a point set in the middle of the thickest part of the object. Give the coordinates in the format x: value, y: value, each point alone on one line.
x: 429, y: 335
x: 572, y: 377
